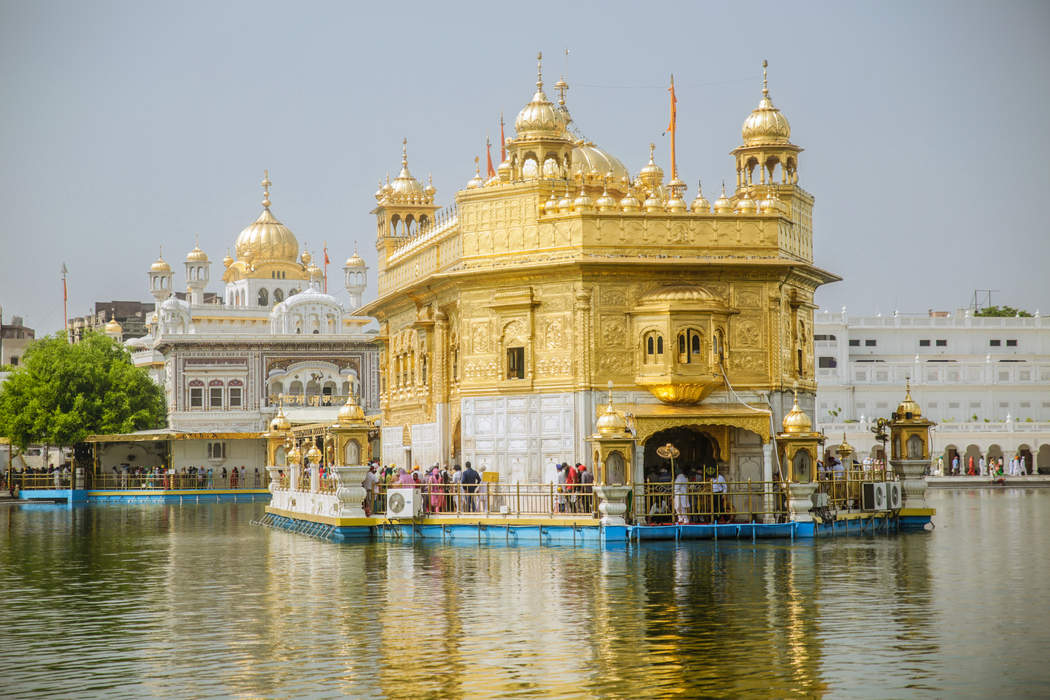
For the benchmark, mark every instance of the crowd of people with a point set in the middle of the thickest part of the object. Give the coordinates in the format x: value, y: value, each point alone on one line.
x: 126, y: 476
x: 687, y: 498
x: 995, y: 467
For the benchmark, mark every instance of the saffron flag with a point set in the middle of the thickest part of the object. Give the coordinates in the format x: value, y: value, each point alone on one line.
x: 502, y: 140
x: 326, y: 260
x: 488, y: 153
x: 674, y: 107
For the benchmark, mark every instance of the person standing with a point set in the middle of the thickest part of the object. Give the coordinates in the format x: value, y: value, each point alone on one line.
x: 982, y: 467
x: 586, y: 480
x: 681, y: 497
x: 471, y: 479
x: 718, y: 489
x: 369, y: 485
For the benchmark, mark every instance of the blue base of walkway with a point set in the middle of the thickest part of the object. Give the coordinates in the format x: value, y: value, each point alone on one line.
x: 67, y: 495
x: 729, y: 531
x: 191, y: 497
x: 912, y: 523
x: 468, y: 533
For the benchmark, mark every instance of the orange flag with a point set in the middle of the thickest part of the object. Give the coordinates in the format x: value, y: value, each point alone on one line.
x: 672, y: 127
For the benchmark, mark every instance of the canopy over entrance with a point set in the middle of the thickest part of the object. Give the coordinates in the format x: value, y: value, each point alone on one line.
x: 698, y: 452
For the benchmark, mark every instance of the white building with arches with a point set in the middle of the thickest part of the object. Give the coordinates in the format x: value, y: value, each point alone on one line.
x: 271, y: 338
x: 985, y: 381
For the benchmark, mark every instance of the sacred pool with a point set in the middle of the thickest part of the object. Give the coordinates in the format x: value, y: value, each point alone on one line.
x: 192, y: 600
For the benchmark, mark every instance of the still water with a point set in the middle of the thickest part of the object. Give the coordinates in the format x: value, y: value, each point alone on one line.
x: 195, y: 601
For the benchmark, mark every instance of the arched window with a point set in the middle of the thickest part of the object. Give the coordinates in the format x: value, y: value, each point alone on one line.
x: 264, y: 298
x: 915, y: 447
x: 801, y: 467
x: 720, y: 346
x: 689, y: 346
x: 278, y: 296
x: 550, y: 168
x: 654, y: 347
x: 530, y: 168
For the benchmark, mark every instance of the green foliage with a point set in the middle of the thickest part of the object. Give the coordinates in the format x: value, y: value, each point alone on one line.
x: 61, y: 393
x: 1001, y: 311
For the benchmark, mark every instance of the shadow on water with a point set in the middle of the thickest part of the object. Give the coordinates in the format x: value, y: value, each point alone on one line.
x: 191, y: 600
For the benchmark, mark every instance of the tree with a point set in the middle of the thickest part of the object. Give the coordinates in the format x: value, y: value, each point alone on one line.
x: 1001, y: 311
x: 61, y: 393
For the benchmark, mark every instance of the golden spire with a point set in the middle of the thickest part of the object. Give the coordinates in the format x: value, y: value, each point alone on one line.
x: 765, y: 81
x: 266, y: 189
x: 539, y: 71
x: 404, y: 153
x: 652, y: 154
x: 561, y: 86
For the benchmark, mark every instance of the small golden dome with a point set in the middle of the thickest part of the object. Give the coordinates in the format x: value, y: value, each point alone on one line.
x: 314, y: 272
x: 355, y: 260
x: 160, y: 265
x: 652, y: 175
x: 630, y: 203
x: 113, y: 326
x: 844, y: 449
x: 675, y: 203
x: 583, y: 202
x: 770, y: 204
x: 700, y: 204
x: 606, y: 202
x: 745, y: 205
x: 565, y: 203
x: 908, y: 406
x: 653, y: 203
x: 196, y: 255
x: 430, y: 190
x: 227, y: 260
x: 306, y: 257
x: 611, y: 423
x: 280, y: 422
x: 294, y: 456
x: 540, y: 118
x: 404, y: 184
x: 722, y: 204
x: 313, y: 455
x: 551, y: 205
x: 796, y: 421
x: 503, y: 171
x: 766, y: 125
x: 379, y: 191
x: 350, y: 412
x: 477, y: 180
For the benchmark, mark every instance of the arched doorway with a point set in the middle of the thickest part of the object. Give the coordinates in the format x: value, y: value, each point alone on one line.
x: 950, y: 453
x: 456, y: 442
x: 698, y: 452
x: 1042, y: 461
x: 1025, y: 453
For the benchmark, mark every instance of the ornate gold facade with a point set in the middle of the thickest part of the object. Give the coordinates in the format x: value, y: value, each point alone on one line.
x: 554, y: 278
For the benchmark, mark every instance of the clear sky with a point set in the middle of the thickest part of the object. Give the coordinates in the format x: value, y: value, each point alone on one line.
x: 129, y: 125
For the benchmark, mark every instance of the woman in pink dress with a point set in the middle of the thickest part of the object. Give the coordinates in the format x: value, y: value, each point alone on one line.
x: 434, y: 486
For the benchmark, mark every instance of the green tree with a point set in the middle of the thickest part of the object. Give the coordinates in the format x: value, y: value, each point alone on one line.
x: 62, y: 393
x: 1001, y: 311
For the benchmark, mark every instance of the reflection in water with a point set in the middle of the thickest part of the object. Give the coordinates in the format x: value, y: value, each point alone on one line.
x: 191, y: 600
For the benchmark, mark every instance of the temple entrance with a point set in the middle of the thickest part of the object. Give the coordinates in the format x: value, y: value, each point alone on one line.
x: 698, y: 453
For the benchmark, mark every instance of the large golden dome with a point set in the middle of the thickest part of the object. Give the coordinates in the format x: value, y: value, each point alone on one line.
x: 160, y: 265
x: 908, y: 406
x: 766, y: 125
x: 588, y: 158
x: 540, y: 118
x: 267, y: 239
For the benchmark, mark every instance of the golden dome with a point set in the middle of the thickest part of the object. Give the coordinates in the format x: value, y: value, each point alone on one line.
x: 430, y: 190
x: 606, y: 202
x: 160, y: 265
x: 267, y: 239
x: 588, y: 158
x: 908, y: 406
x: 700, y: 204
x: 845, y: 449
x: 583, y: 202
x: 796, y: 421
x: 477, y: 180
x: 404, y: 183
x: 722, y: 204
x: 355, y: 260
x: 745, y: 205
x: 540, y: 118
x: 766, y: 125
x: 675, y: 203
x: 652, y: 175
x: 350, y: 412
x: 113, y: 326
x: 227, y: 260
x: 306, y: 257
x: 294, y: 455
x: 770, y: 204
x: 565, y: 203
x: 653, y: 203
x: 630, y: 203
x: 551, y: 205
x: 280, y: 422
x: 313, y: 455
x: 197, y: 255
x: 611, y: 423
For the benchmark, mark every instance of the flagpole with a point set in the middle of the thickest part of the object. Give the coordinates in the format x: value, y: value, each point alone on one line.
x: 65, y: 303
x: 673, y: 128
x: 502, y: 140
x: 326, y: 267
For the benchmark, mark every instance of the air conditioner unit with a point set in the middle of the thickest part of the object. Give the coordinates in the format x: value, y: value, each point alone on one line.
x: 403, y: 504
x: 894, y: 495
x: 873, y: 495
x: 820, y: 500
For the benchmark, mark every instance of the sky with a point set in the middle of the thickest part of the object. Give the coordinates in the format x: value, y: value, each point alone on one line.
x: 126, y: 126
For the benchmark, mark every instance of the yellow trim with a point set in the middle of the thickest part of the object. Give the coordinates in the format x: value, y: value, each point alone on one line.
x: 917, y: 512
x: 326, y: 519
x: 860, y: 516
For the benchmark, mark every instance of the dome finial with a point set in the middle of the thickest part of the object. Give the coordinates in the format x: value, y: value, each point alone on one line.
x: 539, y: 70
x: 266, y: 189
x: 652, y: 154
x: 404, y: 152
x: 610, y: 392
x: 907, y: 389
x: 765, y: 81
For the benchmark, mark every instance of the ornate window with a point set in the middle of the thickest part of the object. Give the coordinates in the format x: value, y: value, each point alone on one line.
x: 689, y: 346
x: 215, y: 391
x: 278, y: 296
x: 236, y: 393
x: 915, y: 447
x: 654, y: 347
x: 216, y: 450
x: 196, y: 394
x: 264, y: 298
x: 516, y: 363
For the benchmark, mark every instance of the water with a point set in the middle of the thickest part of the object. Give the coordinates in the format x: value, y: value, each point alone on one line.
x: 194, y: 601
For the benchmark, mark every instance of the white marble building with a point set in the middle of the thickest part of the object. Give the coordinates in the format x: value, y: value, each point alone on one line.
x: 984, y: 380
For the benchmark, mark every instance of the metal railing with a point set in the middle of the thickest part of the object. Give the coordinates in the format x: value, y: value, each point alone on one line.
x: 306, y: 399
x: 844, y: 490
x: 665, y: 502
x: 176, y: 482
x: 39, y: 482
x: 494, y: 498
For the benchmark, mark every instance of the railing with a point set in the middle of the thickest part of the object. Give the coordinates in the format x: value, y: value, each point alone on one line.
x: 30, y: 482
x: 665, y: 502
x: 494, y: 498
x: 329, y: 483
x: 306, y: 399
x: 844, y: 489
x: 176, y: 482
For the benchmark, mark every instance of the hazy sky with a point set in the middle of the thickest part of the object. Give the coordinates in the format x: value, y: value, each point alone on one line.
x: 129, y: 125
